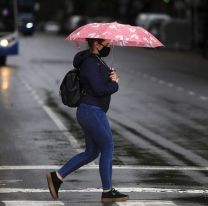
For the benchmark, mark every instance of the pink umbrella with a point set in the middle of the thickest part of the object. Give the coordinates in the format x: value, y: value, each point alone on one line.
x: 118, y: 34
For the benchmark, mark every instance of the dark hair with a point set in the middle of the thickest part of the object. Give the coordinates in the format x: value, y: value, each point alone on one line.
x: 91, y: 41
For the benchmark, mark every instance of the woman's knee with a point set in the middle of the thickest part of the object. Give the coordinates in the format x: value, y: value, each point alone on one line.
x: 108, y: 147
x: 107, y: 151
x: 92, y: 154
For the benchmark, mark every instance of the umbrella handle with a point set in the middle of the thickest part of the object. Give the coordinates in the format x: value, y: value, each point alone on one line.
x: 112, y: 57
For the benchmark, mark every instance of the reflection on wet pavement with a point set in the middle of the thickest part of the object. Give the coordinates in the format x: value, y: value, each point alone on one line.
x: 5, y: 77
x: 5, y: 73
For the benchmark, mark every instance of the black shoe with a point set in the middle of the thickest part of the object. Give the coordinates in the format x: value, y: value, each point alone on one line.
x: 54, y: 184
x: 114, y: 196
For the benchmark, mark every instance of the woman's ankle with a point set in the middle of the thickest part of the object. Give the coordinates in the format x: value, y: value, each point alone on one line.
x: 59, y: 176
x: 108, y: 190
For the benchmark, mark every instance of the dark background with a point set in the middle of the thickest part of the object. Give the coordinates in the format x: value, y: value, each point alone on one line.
x: 193, y: 12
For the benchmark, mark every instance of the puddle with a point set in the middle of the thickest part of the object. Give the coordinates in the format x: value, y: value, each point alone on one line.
x: 168, y: 178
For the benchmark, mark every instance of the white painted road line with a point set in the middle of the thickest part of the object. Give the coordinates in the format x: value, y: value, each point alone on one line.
x: 153, y: 79
x: 161, y: 82
x: 170, y: 85
x: 146, y: 203
x: 5, y: 182
x: 10, y: 181
x: 191, y: 93
x: 74, y: 143
x: 180, y: 88
x: 33, y: 203
x: 204, y: 98
x: 92, y: 167
x: 58, y: 203
x: 53, y: 116
x: 93, y: 190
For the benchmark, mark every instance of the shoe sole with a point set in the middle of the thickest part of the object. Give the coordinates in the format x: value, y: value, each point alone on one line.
x: 107, y: 200
x: 51, y: 187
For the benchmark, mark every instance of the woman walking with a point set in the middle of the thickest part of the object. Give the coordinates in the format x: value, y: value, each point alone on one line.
x: 99, y: 83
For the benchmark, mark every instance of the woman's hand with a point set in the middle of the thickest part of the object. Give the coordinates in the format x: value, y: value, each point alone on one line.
x: 113, y: 75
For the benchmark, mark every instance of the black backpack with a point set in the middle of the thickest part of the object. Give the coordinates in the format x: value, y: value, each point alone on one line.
x: 70, y: 89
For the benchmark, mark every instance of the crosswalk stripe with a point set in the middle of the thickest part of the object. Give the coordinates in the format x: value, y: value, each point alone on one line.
x: 122, y: 189
x: 88, y: 167
x: 58, y: 203
x: 146, y: 203
x: 33, y: 203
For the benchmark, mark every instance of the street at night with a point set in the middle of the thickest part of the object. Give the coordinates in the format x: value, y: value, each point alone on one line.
x: 158, y: 118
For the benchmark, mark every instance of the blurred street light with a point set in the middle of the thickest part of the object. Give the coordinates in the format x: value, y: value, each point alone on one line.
x: 167, y: 1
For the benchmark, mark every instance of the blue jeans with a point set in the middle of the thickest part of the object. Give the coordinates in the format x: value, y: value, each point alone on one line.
x: 98, y: 139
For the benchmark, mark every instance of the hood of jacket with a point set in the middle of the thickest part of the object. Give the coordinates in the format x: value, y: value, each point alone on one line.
x: 80, y: 57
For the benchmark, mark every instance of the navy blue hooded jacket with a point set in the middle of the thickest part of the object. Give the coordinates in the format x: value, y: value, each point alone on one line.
x: 95, y: 80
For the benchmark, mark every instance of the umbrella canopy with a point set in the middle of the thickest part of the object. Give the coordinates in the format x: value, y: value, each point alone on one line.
x: 118, y: 34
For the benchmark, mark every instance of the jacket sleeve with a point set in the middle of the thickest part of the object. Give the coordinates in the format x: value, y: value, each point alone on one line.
x: 97, y: 84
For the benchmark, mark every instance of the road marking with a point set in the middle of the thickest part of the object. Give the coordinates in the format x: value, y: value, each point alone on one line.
x: 161, y: 82
x: 94, y: 190
x: 180, y: 88
x: 145, y: 76
x: 5, y: 182
x: 159, y: 145
x: 203, y: 98
x: 75, y: 144
x: 171, y: 85
x: 33, y: 203
x: 191, y: 93
x: 154, y: 79
x: 54, y: 117
x: 157, y: 139
x: 10, y: 181
x: 58, y: 203
x: 119, y: 167
x: 146, y: 203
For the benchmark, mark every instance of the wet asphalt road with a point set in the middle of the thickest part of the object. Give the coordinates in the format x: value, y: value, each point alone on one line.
x: 159, y: 121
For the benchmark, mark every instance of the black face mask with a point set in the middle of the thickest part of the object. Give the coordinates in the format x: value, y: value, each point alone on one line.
x: 104, y: 52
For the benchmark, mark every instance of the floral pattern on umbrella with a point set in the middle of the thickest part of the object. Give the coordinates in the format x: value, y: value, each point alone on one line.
x: 118, y: 34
